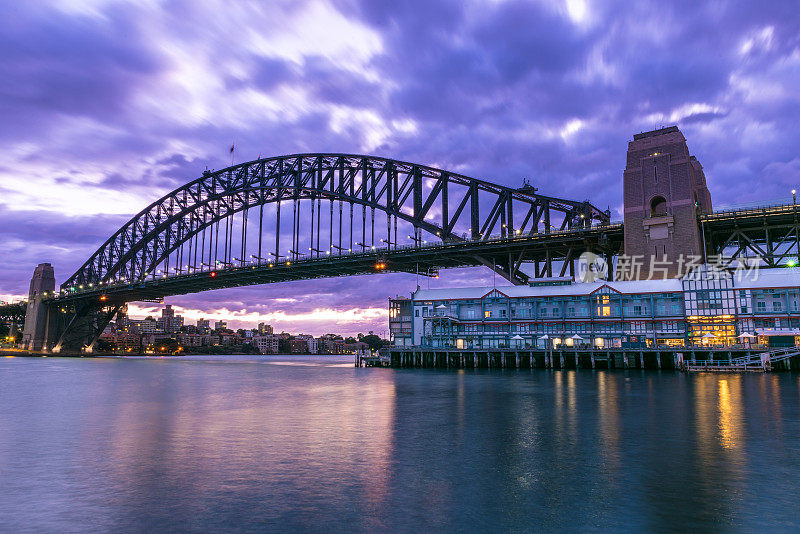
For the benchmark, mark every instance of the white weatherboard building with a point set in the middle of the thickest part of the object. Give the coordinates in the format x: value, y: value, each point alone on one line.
x: 707, y: 307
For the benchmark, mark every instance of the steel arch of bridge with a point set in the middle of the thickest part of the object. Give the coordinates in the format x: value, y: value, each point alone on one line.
x: 450, y: 206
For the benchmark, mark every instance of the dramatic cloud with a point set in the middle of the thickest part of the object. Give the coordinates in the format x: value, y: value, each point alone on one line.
x: 107, y: 105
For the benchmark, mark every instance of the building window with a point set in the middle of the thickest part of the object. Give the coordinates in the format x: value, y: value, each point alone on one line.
x: 487, y: 314
x: 658, y: 207
x: 416, y: 313
x: 776, y: 306
x: 604, y: 306
x: 761, y: 306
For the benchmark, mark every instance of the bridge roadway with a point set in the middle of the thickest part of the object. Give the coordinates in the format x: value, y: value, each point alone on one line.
x: 768, y: 231
x: 543, y: 247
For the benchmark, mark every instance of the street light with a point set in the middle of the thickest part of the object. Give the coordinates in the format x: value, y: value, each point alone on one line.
x: 794, y: 196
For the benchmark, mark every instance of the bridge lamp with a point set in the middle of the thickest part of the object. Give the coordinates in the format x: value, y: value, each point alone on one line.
x: 794, y: 196
x: 288, y: 263
x: 213, y: 274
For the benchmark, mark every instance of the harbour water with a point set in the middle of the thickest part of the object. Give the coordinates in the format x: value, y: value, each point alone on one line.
x: 291, y: 444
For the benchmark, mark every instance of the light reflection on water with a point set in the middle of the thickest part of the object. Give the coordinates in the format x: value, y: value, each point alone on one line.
x: 294, y: 444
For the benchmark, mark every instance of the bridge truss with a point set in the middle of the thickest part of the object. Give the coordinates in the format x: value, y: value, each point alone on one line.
x: 768, y: 236
x: 314, y: 215
x: 311, y: 206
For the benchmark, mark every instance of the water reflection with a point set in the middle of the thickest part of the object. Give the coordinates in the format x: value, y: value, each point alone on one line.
x: 203, y: 444
x: 730, y: 423
x: 608, y: 415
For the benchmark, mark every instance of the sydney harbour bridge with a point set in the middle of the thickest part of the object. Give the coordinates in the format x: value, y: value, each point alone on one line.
x: 307, y: 216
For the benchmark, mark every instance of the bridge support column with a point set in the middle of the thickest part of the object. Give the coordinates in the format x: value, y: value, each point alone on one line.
x: 35, y: 335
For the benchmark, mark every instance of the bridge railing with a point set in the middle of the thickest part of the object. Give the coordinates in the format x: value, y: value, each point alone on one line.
x: 753, y: 207
x: 350, y: 254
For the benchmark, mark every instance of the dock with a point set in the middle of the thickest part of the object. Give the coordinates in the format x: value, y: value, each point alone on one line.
x: 696, y: 359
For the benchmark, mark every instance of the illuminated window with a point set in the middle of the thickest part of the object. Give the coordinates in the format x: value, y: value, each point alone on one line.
x: 603, y: 306
x: 487, y: 314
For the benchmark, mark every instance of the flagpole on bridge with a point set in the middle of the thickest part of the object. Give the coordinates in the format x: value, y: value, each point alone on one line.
x: 232, y: 153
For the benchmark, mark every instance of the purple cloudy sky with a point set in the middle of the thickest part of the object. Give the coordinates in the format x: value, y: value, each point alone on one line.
x: 107, y: 105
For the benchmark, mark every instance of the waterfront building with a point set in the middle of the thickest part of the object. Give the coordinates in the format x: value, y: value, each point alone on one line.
x: 311, y: 345
x: 169, y: 323
x: 203, y: 326
x: 706, y: 307
x: 193, y: 339
x: 264, y: 329
x: 401, y: 325
x: 266, y: 344
x: 127, y: 342
x: 147, y: 325
x: 298, y: 346
x: 220, y: 325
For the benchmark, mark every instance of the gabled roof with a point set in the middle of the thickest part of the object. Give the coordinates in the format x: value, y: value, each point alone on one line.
x: 624, y: 287
x: 606, y: 286
x: 495, y: 293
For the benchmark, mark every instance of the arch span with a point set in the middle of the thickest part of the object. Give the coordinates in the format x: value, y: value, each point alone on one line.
x: 181, y: 230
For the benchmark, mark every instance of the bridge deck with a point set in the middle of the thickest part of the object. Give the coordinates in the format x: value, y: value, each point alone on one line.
x: 408, y: 259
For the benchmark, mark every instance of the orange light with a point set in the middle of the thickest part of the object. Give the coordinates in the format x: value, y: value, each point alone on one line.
x: 213, y: 274
x: 103, y: 297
